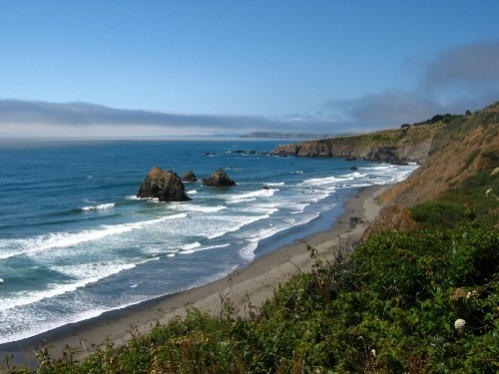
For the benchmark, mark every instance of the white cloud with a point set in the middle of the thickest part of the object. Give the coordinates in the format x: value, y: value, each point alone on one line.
x: 460, y: 78
x: 471, y: 66
x: 389, y: 107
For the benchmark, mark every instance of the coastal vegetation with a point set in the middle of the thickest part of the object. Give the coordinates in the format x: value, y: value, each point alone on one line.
x: 420, y: 301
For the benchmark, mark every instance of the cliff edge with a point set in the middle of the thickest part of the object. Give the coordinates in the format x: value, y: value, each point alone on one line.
x: 450, y: 148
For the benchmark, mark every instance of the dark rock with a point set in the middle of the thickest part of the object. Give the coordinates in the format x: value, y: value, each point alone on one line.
x: 319, y: 148
x: 385, y: 154
x: 286, y: 150
x: 354, y: 168
x: 218, y: 179
x: 400, y: 162
x: 351, y: 158
x: 189, y: 176
x: 354, y: 221
x: 164, y: 185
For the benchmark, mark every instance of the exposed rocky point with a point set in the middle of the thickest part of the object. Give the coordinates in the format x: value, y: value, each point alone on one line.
x: 398, y: 146
x: 164, y: 185
x: 218, y: 179
x: 189, y: 176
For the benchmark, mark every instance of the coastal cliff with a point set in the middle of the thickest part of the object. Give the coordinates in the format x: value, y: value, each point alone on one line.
x: 460, y: 150
x: 453, y: 180
x: 407, y: 144
x: 451, y: 149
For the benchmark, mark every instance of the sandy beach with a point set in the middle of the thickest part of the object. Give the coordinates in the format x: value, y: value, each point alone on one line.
x: 250, y: 285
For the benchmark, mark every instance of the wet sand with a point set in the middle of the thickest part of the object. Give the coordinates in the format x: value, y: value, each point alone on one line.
x: 251, y: 285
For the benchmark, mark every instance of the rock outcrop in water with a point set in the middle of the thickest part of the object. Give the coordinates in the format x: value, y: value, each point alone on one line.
x: 218, y: 179
x: 164, y: 185
x: 189, y: 176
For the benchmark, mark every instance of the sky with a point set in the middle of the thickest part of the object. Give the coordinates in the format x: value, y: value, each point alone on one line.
x: 162, y: 67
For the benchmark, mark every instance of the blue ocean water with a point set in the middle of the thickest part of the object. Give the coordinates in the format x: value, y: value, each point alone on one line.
x: 76, y: 242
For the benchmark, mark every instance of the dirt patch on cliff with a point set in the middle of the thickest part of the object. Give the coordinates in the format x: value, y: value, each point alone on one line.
x: 463, y: 156
x: 394, y: 218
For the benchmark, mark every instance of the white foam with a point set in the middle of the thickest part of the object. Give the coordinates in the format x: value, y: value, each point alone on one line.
x: 359, y: 185
x: 133, y: 197
x: 87, y: 274
x: 193, y: 207
x: 242, y: 200
x: 106, y: 206
x: 354, y: 175
x: 251, y: 196
x: 263, y: 208
x: 32, y: 246
x: 191, y: 246
x: 200, y: 248
x: 39, y: 326
x: 326, y: 181
x: 248, y: 252
x: 382, y: 167
x: 233, y: 227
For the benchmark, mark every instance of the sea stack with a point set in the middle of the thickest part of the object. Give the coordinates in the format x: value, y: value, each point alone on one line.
x: 189, y: 176
x: 218, y: 179
x: 164, y: 185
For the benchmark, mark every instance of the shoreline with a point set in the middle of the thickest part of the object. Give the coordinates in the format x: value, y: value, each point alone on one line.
x: 252, y: 284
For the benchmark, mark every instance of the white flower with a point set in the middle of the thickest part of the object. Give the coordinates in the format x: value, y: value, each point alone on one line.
x: 373, y: 352
x: 488, y: 192
x: 471, y: 294
x: 459, y: 324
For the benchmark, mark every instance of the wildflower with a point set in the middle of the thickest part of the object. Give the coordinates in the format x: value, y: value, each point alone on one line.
x: 490, y: 192
x: 373, y: 352
x: 495, y: 171
x: 471, y: 294
x: 459, y: 324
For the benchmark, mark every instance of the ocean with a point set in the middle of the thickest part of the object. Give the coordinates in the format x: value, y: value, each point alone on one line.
x: 76, y: 242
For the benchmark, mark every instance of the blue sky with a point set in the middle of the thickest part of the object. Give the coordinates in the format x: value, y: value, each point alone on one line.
x: 322, y: 65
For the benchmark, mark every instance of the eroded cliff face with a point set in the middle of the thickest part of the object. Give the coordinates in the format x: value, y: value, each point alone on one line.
x: 409, y: 144
x: 461, y: 151
x: 448, y: 152
x: 462, y: 157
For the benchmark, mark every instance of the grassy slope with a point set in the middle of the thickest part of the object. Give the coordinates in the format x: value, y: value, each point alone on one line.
x: 466, y: 146
x: 390, y: 307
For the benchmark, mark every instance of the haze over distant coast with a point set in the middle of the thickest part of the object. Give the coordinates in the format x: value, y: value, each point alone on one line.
x: 18, y: 117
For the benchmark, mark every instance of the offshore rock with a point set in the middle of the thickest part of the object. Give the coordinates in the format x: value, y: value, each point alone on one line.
x: 164, y: 185
x: 189, y: 176
x: 218, y: 179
